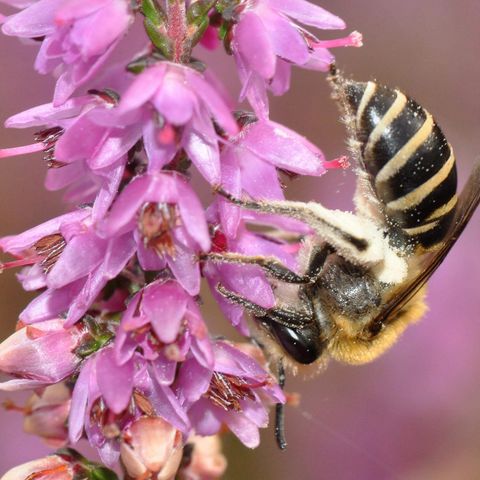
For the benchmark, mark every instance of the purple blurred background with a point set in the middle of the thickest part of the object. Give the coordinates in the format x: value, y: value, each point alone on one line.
x: 414, y: 413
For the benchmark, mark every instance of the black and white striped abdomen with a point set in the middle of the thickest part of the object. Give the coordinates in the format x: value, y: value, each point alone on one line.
x: 411, y: 164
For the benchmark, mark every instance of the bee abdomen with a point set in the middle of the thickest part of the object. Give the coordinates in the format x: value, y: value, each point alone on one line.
x: 411, y: 164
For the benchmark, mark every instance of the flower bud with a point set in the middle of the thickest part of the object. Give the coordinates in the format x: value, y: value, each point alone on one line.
x: 151, y: 449
x: 206, y: 461
x: 46, y: 414
x: 39, y: 354
x: 52, y: 467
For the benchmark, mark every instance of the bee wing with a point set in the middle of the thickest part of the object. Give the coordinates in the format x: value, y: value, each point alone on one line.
x: 468, y: 202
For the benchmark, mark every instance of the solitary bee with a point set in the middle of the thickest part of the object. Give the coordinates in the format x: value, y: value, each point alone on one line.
x: 365, y: 272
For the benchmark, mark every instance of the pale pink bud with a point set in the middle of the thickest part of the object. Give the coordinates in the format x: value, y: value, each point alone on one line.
x: 46, y: 414
x: 52, y: 467
x: 152, y: 448
x: 207, y: 461
x: 39, y: 355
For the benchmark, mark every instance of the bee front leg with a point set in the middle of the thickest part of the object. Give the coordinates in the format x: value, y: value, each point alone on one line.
x: 283, y: 316
x: 280, y: 412
x: 274, y: 268
x: 271, y: 265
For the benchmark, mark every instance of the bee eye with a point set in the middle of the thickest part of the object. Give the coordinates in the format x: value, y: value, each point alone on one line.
x: 303, y: 344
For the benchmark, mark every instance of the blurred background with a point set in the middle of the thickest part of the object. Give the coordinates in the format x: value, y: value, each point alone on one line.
x: 414, y: 413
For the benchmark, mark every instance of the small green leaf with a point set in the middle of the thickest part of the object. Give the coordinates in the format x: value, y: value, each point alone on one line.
x: 152, y: 10
x: 102, y: 473
x: 198, y: 11
x: 223, y: 30
x: 159, y: 39
x: 197, y: 34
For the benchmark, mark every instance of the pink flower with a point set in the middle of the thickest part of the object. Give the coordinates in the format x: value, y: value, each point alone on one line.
x: 66, y: 464
x: 71, y: 260
x: 165, y: 324
x: 53, y: 467
x: 235, y: 395
x: 168, y: 223
x: 108, y: 397
x: 92, y: 168
x: 78, y: 37
x: 266, y: 42
x: 206, y: 461
x: 152, y: 448
x: 251, y: 162
x: 46, y: 414
x: 175, y: 105
x: 40, y: 355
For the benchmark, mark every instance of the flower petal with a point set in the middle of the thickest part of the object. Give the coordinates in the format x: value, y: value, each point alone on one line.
x: 284, y: 148
x: 308, y: 13
x: 251, y: 40
x: 115, y: 382
x: 164, y: 304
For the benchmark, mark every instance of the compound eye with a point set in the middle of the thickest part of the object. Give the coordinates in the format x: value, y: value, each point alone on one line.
x: 304, y: 345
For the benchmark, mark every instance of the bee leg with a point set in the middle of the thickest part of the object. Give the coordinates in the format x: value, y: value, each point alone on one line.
x: 274, y: 268
x: 287, y: 318
x: 317, y: 259
x: 271, y: 265
x: 357, y: 239
x: 280, y: 412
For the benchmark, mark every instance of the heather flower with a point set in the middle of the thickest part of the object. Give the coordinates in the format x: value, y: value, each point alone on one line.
x: 46, y: 414
x: 206, y: 461
x: 53, y: 467
x: 108, y: 397
x: 75, y: 37
x: 92, y: 168
x: 40, y: 355
x: 152, y: 448
x: 165, y: 324
x: 71, y: 260
x: 168, y: 223
x: 66, y: 464
x: 236, y: 395
x: 252, y: 159
x: 248, y: 280
x: 176, y: 104
x: 266, y: 41
x: 115, y: 338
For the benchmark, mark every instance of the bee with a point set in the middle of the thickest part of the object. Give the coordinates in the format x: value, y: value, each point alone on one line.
x: 365, y: 272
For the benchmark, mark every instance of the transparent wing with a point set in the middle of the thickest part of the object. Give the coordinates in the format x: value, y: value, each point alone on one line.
x: 468, y: 202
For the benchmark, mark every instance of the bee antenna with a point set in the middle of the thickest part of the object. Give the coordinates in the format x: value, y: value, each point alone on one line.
x: 280, y: 412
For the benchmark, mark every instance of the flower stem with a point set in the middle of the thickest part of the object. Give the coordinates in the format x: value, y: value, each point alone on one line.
x: 177, y: 30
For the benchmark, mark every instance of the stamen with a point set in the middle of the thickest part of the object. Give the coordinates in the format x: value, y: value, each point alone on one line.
x: 50, y: 249
x: 47, y: 251
x: 155, y: 223
x: 48, y: 139
x: 226, y: 391
x: 143, y: 403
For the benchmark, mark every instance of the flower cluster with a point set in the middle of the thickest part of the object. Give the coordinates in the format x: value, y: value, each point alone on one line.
x: 115, y: 343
